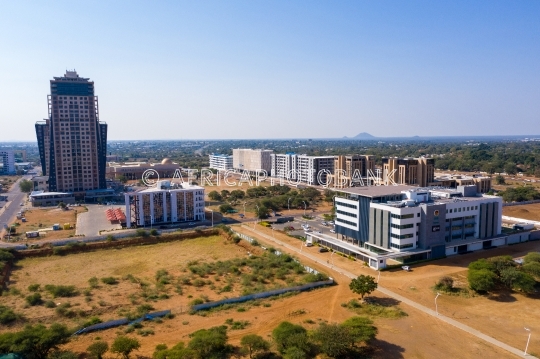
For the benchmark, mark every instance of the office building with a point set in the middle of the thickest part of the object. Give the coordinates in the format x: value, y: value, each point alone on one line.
x: 134, y: 170
x: 72, y: 141
x: 41, y: 183
x: 7, y: 162
x: 166, y: 203
x: 252, y: 160
x: 220, y: 162
x: 351, y: 170
x: 312, y: 170
x: 408, y: 223
x: 409, y: 171
x: 45, y: 199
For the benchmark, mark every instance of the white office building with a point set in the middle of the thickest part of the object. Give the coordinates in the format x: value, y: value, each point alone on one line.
x: 7, y: 162
x: 166, y: 203
x: 221, y: 162
x: 312, y: 170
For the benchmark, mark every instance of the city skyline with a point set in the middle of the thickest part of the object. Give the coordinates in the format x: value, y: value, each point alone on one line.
x: 283, y: 70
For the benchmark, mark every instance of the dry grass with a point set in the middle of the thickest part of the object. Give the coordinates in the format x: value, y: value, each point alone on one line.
x: 526, y: 211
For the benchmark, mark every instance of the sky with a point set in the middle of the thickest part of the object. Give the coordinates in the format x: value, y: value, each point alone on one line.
x: 277, y: 69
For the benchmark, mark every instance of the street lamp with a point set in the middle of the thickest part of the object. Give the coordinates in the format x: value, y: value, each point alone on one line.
x: 379, y: 277
x: 245, y: 209
x: 305, y: 206
x: 528, y: 339
x: 332, y: 259
x: 436, y: 308
x: 212, y: 217
x: 288, y: 206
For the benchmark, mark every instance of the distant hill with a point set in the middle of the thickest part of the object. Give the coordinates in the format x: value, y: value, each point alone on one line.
x: 362, y: 136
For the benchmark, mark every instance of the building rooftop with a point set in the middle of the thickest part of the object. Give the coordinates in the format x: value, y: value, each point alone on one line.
x: 375, y: 191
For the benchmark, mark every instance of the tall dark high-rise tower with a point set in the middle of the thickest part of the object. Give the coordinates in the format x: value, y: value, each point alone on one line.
x: 72, y: 141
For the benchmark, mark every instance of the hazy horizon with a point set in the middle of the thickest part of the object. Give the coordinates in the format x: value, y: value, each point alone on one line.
x: 280, y: 70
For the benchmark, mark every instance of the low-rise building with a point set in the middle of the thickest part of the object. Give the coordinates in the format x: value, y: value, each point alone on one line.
x: 482, y: 183
x: 44, y: 199
x: 135, y: 170
x: 221, y: 162
x: 41, y: 183
x: 165, y: 203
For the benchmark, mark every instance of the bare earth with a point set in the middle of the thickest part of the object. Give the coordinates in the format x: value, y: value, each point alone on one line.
x: 47, y: 217
x: 416, y: 336
x: 526, y: 211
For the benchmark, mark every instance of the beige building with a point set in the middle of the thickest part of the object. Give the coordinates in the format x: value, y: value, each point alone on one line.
x: 72, y: 141
x: 252, y: 160
x: 347, y: 167
x: 482, y: 183
x: 134, y: 170
x: 409, y: 171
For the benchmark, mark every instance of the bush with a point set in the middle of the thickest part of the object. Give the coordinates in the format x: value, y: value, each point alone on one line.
x: 533, y: 257
x: 65, y: 311
x: 154, y: 232
x: 34, y: 287
x: 34, y: 299
x: 141, y: 233
x: 63, y: 291
x: 109, y: 280
x: 7, y: 315
x: 482, y: 280
x: 93, y: 282
x: 50, y: 304
x: 445, y: 283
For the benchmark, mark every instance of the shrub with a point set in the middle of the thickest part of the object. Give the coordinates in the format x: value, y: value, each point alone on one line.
x: 532, y: 257
x: 50, y: 304
x: 154, y: 232
x: 93, y: 282
x: 34, y: 287
x: 109, y: 280
x: 196, y: 301
x: 34, y: 299
x: 7, y: 315
x: 63, y: 291
x: 445, y: 283
x: 65, y: 311
x: 141, y: 233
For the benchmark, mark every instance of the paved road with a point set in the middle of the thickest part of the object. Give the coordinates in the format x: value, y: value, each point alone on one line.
x: 396, y: 296
x: 15, y: 198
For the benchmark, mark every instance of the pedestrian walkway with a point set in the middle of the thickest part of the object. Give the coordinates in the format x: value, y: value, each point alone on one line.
x: 402, y: 299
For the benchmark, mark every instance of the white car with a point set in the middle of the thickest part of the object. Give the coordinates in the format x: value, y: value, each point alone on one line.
x: 317, y: 232
x: 332, y: 231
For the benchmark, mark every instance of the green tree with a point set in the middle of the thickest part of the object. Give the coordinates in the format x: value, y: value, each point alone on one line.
x: 361, y: 329
x: 35, y: 342
x: 482, y: 280
x: 525, y: 283
x: 533, y: 268
x: 26, y: 185
x: 210, y: 343
x: 252, y: 344
x: 179, y: 351
x: 261, y: 212
x: 124, y: 346
x: 500, y: 180
x: 225, y: 194
x: 97, y: 349
x: 224, y: 208
x: 7, y: 315
x: 122, y: 179
x: 334, y: 340
x: 215, y: 196
x: 287, y: 335
x: 363, y: 284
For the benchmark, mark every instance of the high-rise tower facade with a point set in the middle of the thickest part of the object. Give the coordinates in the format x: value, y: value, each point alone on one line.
x: 72, y: 141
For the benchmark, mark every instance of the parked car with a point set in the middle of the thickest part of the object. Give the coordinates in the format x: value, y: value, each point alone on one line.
x: 332, y: 231
x: 191, y: 223
x: 307, y: 230
x: 317, y: 232
x: 323, y: 250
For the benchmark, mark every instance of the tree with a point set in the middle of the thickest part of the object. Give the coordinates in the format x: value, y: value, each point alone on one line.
x: 334, y: 340
x: 225, y: 194
x: 224, y: 208
x: 26, y: 185
x: 533, y: 268
x: 500, y: 180
x: 35, y: 342
x: 525, y: 283
x: 97, y: 349
x: 261, y: 212
x: 124, y: 346
x: 364, y: 284
x: 287, y: 335
x: 122, y: 179
x: 215, y: 196
x: 361, y: 329
x: 532, y: 257
x: 482, y: 280
x: 210, y: 343
x: 252, y: 344
x: 179, y: 351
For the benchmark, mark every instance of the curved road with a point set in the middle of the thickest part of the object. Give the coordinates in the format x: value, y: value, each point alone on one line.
x: 15, y: 198
x: 396, y: 296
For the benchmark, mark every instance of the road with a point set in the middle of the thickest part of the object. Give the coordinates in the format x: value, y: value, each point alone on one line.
x: 15, y: 198
x: 396, y: 296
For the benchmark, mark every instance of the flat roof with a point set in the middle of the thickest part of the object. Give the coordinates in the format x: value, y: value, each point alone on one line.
x: 44, y: 194
x: 375, y: 191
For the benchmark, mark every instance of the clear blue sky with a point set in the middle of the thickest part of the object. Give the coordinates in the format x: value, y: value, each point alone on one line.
x: 278, y: 69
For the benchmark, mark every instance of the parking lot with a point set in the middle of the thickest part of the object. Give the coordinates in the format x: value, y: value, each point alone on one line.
x: 95, y: 220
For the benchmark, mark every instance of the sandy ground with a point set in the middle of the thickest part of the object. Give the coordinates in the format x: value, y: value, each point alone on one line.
x: 502, y: 317
x: 526, y: 211
x: 47, y: 217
